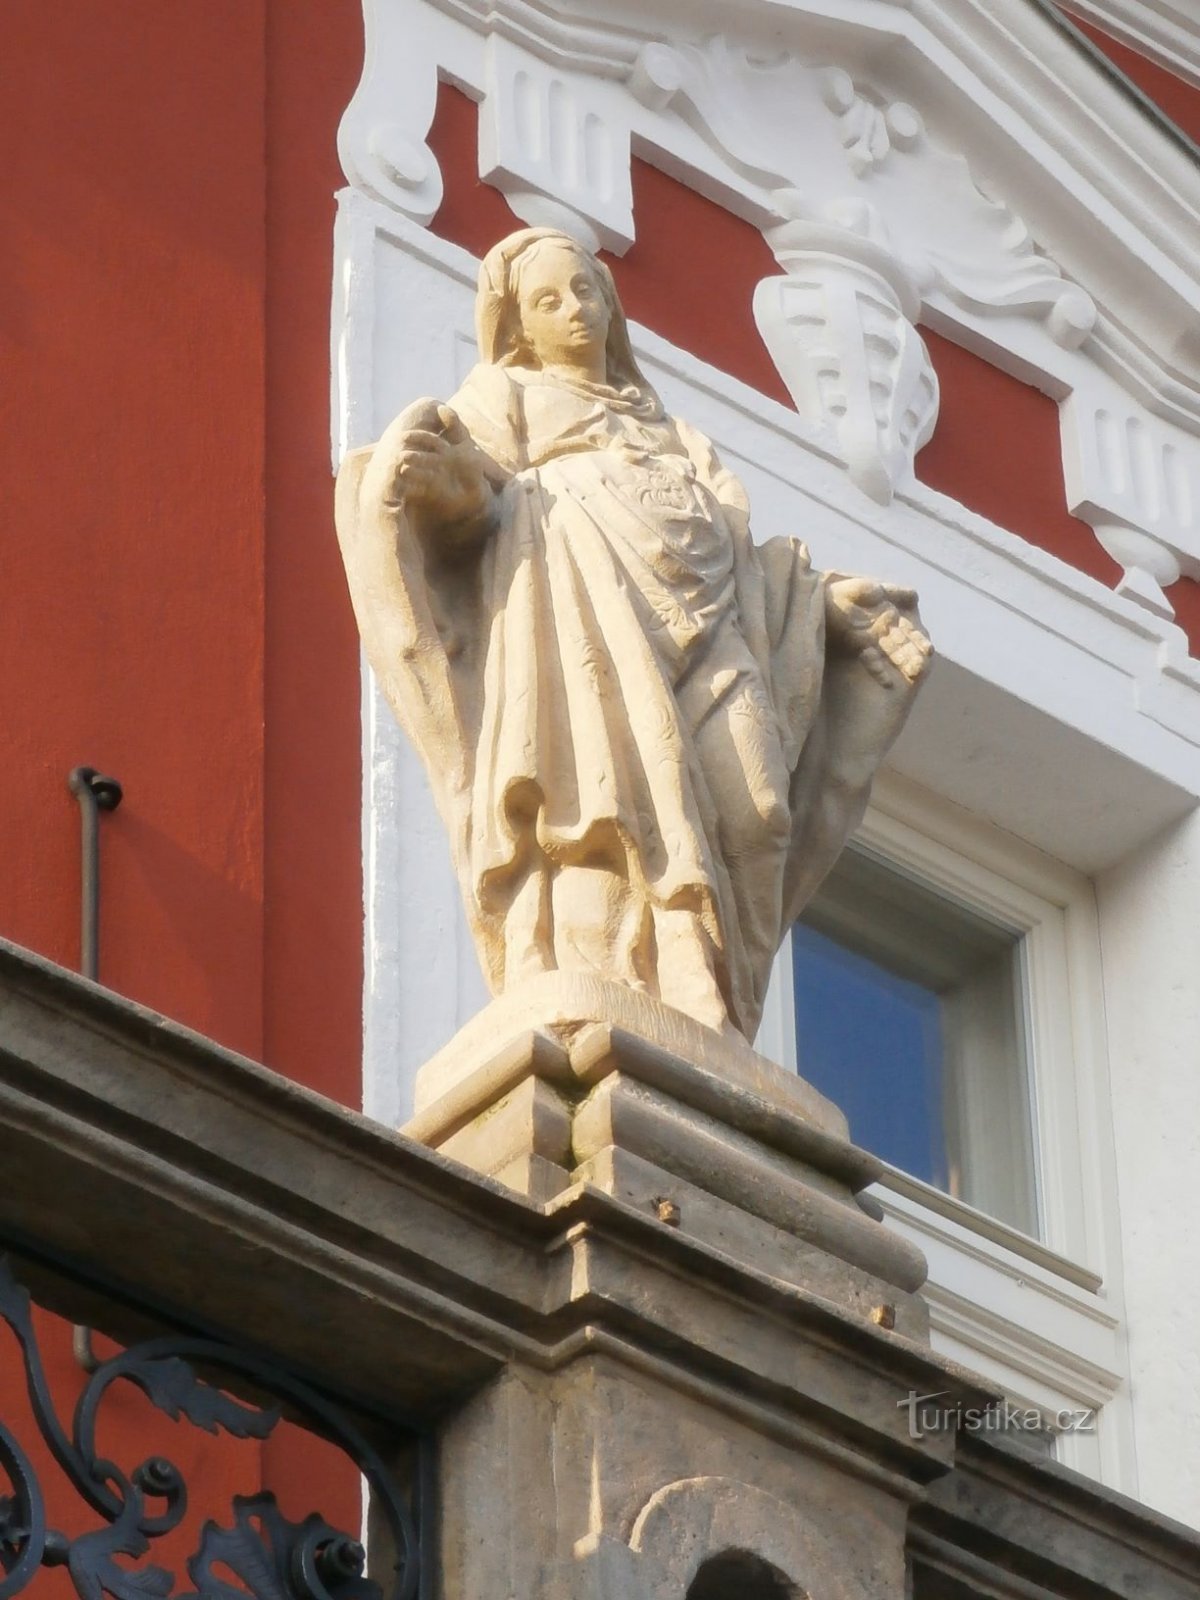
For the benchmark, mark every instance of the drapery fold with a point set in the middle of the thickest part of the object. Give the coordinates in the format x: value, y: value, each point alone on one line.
x: 620, y: 699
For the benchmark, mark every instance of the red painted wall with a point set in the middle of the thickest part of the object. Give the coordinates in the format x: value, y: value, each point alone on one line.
x: 132, y: 439
x: 174, y: 608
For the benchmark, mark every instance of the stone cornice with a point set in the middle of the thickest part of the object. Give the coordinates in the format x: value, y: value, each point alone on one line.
x: 237, y: 1201
x: 1023, y: 1519
x: 202, y: 1181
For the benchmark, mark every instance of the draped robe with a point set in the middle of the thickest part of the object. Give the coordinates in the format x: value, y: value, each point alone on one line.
x: 644, y: 759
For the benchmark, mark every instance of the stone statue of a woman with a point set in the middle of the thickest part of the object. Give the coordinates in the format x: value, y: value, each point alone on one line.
x: 648, y: 737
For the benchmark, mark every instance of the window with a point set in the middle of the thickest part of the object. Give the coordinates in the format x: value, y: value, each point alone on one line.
x: 944, y: 989
x: 911, y: 1012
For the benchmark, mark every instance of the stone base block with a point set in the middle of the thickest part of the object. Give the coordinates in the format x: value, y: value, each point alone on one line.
x: 559, y: 1004
x: 753, y: 1242
x: 749, y: 1161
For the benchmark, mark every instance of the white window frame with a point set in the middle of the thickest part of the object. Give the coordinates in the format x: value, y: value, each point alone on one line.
x: 1041, y: 1317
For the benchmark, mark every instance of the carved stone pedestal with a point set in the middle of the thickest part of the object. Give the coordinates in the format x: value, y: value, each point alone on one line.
x: 572, y: 1081
x: 723, y: 1218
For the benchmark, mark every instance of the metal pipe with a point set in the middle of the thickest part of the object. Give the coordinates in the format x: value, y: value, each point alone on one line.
x: 95, y: 794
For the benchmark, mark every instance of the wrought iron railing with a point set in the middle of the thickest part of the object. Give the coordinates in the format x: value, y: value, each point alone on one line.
x: 254, y: 1549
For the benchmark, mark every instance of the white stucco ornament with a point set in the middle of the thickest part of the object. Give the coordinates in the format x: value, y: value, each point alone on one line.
x: 988, y: 156
x: 840, y: 326
x: 648, y: 737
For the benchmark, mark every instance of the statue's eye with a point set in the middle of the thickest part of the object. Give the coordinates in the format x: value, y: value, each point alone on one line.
x: 547, y: 302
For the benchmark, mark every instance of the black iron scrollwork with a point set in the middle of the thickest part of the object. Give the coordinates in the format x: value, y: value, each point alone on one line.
x: 260, y: 1553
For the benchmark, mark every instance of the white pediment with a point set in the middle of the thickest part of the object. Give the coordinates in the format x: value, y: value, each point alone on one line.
x: 968, y: 164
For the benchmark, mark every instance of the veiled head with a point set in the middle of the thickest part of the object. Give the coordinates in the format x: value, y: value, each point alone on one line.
x: 509, y: 324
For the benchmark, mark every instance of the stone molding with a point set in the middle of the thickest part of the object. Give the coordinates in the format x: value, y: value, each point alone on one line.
x: 199, y: 1179
x: 983, y: 156
x: 687, y: 1522
x: 718, y: 1143
x: 209, y: 1186
x: 1165, y: 31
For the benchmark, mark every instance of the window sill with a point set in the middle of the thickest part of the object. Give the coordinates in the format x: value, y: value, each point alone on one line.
x: 969, y: 1221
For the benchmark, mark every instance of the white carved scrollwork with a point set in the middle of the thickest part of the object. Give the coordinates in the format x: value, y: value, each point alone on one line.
x: 556, y: 144
x: 868, y: 131
x: 840, y: 327
x: 962, y: 243
x: 921, y: 222
x: 1135, y: 479
x: 382, y: 137
x: 778, y: 122
x: 714, y: 87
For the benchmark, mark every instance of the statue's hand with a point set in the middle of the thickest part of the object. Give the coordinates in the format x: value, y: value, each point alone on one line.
x: 436, y: 466
x: 877, y: 622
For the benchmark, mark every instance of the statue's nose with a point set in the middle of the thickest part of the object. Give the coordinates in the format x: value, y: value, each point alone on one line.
x: 577, y: 308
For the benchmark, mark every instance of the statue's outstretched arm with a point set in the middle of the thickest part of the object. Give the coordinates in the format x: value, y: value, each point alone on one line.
x: 390, y: 503
x: 428, y: 465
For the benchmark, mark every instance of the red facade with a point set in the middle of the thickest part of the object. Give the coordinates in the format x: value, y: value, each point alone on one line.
x: 175, y: 607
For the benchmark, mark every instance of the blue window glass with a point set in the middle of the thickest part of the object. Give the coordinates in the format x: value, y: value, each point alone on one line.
x: 910, y: 1011
x: 872, y: 1042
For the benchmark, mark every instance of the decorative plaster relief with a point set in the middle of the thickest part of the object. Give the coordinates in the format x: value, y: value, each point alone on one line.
x: 868, y: 131
x: 382, y: 136
x: 954, y: 237
x: 568, y: 93
x: 719, y: 89
x: 556, y: 144
x: 1136, y: 479
x: 840, y: 328
x: 793, y: 128
x: 898, y: 219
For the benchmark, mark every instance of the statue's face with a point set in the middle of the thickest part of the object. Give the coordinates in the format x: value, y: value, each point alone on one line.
x: 563, y: 313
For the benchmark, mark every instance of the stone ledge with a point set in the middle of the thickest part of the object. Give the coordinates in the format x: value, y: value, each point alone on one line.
x: 231, y: 1199
x: 1006, y: 1511
x: 562, y: 1004
x: 595, y: 1103
x: 194, y: 1178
